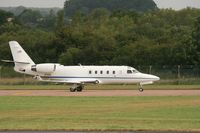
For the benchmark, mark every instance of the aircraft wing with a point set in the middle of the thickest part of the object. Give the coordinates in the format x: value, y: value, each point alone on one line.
x: 82, y: 81
x: 146, y: 83
x: 72, y: 81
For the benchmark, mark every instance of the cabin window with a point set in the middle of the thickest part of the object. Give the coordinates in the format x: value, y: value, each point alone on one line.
x: 95, y: 72
x: 129, y: 72
x: 107, y: 72
x: 101, y: 72
x: 54, y: 68
x: 90, y: 72
x: 113, y: 72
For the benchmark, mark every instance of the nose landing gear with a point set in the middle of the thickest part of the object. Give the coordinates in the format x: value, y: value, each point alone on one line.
x: 141, y: 88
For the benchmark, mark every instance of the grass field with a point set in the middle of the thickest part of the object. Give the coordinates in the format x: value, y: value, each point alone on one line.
x: 100, y: 87
x: 100, y: 113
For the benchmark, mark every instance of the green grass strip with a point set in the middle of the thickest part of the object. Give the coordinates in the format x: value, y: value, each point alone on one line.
x: 100, y: 113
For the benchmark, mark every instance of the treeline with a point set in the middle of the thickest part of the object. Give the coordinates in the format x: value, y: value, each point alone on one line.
x: 103, y: 37
x: 162, y: 37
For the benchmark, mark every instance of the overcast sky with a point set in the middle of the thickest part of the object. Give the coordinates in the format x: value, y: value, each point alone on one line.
x: 175, y: 4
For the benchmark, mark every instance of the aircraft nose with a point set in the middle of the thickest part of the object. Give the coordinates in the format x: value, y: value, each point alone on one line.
x: 151, y: 77
x: 155, y: 78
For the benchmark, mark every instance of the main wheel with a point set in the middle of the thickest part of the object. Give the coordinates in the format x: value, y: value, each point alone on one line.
x: 72, y: 89
x: 79, y: 88
x: 97, y: 82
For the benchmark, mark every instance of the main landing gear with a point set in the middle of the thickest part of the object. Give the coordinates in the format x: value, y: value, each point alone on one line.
x: 77, y: 88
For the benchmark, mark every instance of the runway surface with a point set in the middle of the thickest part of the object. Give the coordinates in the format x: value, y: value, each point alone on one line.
x: 91, y: 132
x: 100, y: 93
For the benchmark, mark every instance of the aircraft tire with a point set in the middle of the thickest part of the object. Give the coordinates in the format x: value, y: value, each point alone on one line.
x: 72, y: 89
x: 79, y: 89
x: 141, y: 89
x: 96, y: 82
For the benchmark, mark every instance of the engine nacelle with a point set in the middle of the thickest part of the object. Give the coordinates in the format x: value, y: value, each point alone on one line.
x: 44, y: 68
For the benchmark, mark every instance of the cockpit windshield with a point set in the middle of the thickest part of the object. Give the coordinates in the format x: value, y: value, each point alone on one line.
x: 132, y: 71
x: 129, y: 71
x: 135, y: 71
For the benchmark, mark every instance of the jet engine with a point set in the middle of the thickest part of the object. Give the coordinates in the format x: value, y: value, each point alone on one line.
x: 44, y: 68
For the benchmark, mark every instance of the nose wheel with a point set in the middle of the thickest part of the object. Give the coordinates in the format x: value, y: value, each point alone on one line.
x: 140, y: 88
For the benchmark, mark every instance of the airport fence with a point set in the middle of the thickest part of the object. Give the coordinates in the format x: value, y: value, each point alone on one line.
x: 172, y: 72
x: 177, y: 74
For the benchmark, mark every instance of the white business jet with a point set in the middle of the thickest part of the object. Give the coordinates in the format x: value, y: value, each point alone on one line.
x: 78, y: 76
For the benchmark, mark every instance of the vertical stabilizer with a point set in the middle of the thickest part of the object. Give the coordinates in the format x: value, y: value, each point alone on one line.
x: 20, y: 57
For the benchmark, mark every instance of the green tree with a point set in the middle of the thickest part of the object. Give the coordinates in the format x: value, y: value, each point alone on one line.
x: 196, y: 40
x: 60, y: 21
x: 4, y: 16
x: 30, y: 17
x: 70, y: 57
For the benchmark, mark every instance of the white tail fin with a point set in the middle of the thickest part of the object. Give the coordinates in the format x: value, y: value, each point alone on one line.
x: 20, y: 57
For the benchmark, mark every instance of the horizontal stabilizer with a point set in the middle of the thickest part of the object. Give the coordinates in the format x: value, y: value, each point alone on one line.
x: 9, y: 61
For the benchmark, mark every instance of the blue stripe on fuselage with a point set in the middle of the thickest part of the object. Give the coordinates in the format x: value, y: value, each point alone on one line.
x: 95, y: 77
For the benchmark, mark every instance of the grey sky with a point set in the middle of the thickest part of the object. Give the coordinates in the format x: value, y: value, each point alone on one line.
x: 175, y: 4
x: 32, y: 3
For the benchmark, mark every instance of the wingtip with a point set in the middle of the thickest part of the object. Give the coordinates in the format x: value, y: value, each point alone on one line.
x: 12, y: 42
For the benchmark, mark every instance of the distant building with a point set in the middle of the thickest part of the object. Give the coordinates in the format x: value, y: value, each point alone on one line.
x: 40, y: 19
x: 10, y: 19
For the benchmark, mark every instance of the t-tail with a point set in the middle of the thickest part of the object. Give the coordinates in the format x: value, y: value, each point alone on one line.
x: 21, y: 59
